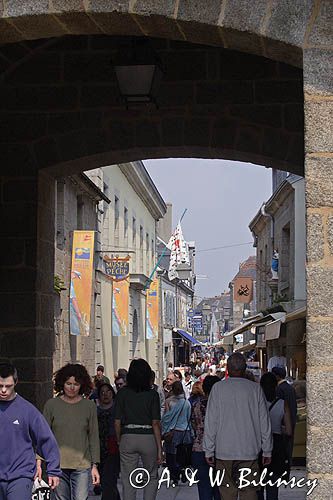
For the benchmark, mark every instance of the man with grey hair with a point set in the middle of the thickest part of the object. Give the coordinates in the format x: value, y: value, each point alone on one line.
x: 237, y: 428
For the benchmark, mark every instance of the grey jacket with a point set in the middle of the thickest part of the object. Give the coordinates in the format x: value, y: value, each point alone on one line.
x: 237, y: 423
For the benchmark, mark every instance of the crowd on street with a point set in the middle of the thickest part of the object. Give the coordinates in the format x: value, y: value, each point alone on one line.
x: 210, y: 416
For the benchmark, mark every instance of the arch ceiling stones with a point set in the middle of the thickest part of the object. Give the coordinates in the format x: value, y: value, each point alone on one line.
x: 60, y: 100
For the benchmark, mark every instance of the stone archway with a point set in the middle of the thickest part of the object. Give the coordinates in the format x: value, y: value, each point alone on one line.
x: 298, y: 33
x: 277, y: 30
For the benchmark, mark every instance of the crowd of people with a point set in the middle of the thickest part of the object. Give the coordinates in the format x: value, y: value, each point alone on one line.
x: 94, y: 431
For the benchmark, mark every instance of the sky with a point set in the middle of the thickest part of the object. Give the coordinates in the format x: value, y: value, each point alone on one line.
x: 221, y: 198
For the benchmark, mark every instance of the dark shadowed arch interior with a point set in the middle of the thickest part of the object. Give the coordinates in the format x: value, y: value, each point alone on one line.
x: 61, y: 107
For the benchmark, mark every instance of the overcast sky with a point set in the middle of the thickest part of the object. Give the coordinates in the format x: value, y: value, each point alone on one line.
x: 221, y: 198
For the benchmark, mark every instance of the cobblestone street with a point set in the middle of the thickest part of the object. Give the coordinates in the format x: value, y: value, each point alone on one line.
x: 184, y: 492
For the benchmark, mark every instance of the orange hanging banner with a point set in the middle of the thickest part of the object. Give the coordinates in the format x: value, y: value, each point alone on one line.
x: 120, y: 308
x: 81, y: 282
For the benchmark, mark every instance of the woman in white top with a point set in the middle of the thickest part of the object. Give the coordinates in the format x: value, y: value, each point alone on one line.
x: 281, y: 427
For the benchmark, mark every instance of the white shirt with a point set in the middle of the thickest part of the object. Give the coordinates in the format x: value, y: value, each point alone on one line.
x: 279, y: 361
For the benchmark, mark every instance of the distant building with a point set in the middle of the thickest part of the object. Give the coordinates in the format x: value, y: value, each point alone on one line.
x: 279, y: 232
x: 216, y: 316
x: 279, y: 226
x: 176, y: 300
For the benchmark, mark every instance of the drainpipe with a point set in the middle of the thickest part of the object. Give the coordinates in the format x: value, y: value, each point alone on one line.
x: 265, y: 214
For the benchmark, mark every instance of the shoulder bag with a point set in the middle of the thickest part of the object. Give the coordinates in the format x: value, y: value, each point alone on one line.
x: 168, y: 436
x: 184, y: 450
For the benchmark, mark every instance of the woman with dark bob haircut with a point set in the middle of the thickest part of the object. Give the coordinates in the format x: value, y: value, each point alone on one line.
x: 138, y: 430
x: 73, y: 420
x: 139, y: 375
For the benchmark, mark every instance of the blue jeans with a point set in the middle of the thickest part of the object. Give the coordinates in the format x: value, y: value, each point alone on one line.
x: 73, y: 485
x: 206, y: 492
x: 16, y: 489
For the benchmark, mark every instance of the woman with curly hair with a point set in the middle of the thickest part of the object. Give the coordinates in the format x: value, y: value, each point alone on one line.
x: 138, y: 431
x: 73, y: 420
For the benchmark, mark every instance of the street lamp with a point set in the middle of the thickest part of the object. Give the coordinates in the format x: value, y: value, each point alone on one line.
x: 138, y: 72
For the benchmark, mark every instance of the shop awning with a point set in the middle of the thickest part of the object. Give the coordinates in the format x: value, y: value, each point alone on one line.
x: 272, y: 329
x: 247, y: 325
x: 226, y: 340
x: 247, y: 347
x: 257, y: 320
x: 298, y: 314
x: 186, y: 336
x: 269, y: 318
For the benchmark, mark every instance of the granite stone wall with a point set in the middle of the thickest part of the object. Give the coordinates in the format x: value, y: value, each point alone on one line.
x: 60, y: 109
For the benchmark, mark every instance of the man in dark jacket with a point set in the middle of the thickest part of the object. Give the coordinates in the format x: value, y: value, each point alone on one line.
x: 23, y: 433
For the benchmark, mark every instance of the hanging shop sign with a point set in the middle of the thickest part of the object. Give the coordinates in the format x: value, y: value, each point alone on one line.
x: 243, y: 290
x: 116, y: 268
x: 81, y: 282
x: 197, y: 323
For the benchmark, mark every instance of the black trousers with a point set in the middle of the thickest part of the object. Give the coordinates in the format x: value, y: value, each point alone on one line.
x: 109, y: 476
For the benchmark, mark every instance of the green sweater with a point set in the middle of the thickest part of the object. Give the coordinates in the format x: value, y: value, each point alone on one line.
x: 75, y: 428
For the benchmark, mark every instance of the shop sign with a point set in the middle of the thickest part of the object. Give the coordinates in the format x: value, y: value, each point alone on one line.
x: 243, y: 290
x: 116, y: 268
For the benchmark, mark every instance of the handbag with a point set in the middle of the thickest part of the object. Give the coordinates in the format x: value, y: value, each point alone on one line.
x: 168, y: 436
x: 40, y: 490
x: 184, y: 451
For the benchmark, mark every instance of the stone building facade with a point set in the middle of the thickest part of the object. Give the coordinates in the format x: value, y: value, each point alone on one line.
x: 279, y: 226
x: 76, y: 208
x: 129, y: 229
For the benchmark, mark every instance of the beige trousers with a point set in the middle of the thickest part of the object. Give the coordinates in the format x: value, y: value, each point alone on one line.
x: 133, y: 446
x: 231, y: 492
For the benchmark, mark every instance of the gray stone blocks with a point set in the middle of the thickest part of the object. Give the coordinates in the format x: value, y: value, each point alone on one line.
x: 244, y: 15
x: 320, y: 450
x: 319, y: 280
x: 321, y: 34
x: 315, y: 237
x: 288, y: 20
x: 318, y: 71
x: 318, y: 126
x: 319, y: 343
x: 319, y: 182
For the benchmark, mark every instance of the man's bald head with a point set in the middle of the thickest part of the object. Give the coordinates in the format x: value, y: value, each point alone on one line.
x: 236, y: 365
